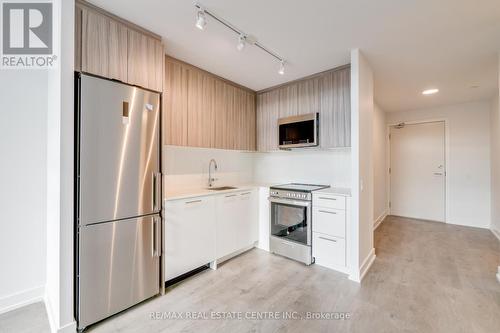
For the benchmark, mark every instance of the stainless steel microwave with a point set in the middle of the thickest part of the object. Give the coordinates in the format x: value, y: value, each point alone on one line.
x: 298, y: 131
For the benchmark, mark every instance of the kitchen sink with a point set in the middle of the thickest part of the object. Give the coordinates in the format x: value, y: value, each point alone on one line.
x: 221, y: 188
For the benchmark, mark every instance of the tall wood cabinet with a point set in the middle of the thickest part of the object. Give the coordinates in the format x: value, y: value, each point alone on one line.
x: 113, y: 48
x: 203, y: 110
x: 327, y: 93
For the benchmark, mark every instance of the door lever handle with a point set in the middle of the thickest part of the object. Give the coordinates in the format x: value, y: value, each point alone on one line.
x: 438, y: 173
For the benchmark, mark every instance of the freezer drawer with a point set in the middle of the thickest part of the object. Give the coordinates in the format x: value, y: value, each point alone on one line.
x: 118, y: 151
x: 118, y: 266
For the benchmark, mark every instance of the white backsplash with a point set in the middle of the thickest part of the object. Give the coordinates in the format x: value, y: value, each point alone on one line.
x: 326, y: 167
x: 187, y: 167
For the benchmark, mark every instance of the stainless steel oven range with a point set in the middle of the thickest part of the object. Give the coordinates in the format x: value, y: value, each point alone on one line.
x: 291, y: 231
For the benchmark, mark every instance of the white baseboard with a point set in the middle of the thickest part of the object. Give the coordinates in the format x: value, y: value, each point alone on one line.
x: 496, y: 233
x: 20, y: 299
x: 379, y: 220
x: 358, y: 275
x: 54, y: 326
x: 68, y: 328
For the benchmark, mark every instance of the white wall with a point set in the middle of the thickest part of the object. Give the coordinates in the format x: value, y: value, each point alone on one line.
x: 187, y: 167
x: 332, y: 167
x: 362, y: 252
x: 379, y: 164
x: 23, y: 112
x: 468, y: 169
x: 495, y: 160
x: 60, y: 157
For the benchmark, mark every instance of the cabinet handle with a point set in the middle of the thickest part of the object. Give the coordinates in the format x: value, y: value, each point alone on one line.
x: 328, y: 239
x: 325, y: 211
x: 246, y: 193
x: 193, y: 201
x: 325, y: 198
x: 231, y: 195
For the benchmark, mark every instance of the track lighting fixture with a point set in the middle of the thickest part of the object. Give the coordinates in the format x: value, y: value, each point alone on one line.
x: 241, y: 42
x: 243, y: 38
x: 201, y: 20
x: 282, y: 68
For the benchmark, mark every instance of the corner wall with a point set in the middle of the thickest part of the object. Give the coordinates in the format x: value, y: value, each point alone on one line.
x: 360, y: 233
x: 380, y: 206
x: 60, y: 163
x: 495, y: 160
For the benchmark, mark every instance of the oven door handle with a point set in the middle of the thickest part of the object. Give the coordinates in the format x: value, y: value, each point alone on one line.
x: 290, y: 202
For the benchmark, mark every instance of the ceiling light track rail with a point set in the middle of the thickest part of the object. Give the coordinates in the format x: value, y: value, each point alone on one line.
x: 243, y: 37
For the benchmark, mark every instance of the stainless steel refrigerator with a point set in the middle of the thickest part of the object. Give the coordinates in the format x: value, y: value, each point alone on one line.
x: 118, y: 197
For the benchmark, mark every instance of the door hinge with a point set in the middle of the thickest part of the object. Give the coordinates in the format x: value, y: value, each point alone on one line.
x: 389, y: 136
x: 389, y: 170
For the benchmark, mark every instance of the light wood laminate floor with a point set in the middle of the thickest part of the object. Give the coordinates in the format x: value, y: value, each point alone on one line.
x: 428, y: 277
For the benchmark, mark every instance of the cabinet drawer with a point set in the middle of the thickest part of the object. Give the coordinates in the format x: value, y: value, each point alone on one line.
x: 329, y: 221
x: 328, y: 251
x: 328, y: 201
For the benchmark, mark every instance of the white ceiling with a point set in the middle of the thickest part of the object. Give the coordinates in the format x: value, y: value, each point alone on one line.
x: 411, y: 45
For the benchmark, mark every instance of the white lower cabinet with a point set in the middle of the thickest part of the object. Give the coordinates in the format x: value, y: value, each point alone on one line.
x: 189, y: 235
x: 237, y: 222
x: 201, y: 230
x: 329, y: 224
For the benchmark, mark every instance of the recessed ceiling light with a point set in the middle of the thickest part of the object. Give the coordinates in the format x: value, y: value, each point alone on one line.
x: 430, y: 91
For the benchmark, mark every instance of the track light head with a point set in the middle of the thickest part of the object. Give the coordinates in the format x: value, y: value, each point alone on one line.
x: 282, y: 68
x: 242, y: 40
x: 201, y: 20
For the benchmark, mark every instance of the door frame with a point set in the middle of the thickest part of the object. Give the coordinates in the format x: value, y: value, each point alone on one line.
x: 446, y: 160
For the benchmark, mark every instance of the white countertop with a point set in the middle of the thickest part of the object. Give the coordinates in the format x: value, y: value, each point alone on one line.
x: 346, y: 192
x: 176, y: 194
x: 185, y: 193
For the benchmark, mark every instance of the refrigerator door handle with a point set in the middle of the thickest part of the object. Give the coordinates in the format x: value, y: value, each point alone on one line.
x: 156, y: 191
x: 155, y: 233
x: 158, y: 236
x: 153, y: 238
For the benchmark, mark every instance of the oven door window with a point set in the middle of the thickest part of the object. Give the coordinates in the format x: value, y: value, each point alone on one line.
x: 289, y: 222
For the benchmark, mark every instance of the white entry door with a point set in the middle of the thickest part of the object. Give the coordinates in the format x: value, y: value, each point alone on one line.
x: 418, y: 171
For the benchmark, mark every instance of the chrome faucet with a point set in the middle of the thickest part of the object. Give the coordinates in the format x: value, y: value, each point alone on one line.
x: 210, y: 178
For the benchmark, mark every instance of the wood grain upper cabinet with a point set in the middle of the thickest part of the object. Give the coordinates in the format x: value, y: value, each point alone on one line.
x: 145, y: 57
x: 95, y: 43
x: 200, y: 110
x: 175, y: 104
x: 268, y: 113
x: 108, y: 46
x: 118, y: 51
x: 327, y: 94
x: 204, y: 110
x: 335, y: 114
